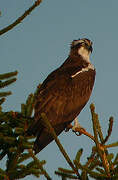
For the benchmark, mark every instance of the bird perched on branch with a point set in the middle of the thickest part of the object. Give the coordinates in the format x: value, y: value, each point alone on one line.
x: 64, y: 93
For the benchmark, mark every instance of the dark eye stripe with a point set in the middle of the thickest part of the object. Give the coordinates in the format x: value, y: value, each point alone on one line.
x: 80, y: 42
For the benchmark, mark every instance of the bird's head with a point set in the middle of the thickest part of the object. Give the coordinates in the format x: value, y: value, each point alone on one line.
x: 81, y: 47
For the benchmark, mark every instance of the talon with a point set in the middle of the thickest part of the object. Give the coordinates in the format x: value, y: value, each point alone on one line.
x: 77, y: 133
x: 69, y: 126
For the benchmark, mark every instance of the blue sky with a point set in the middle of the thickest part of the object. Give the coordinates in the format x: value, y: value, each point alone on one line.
x: 41, y: 43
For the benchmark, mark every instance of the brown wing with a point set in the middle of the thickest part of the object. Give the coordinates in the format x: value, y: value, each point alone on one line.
x: 57, y: 91
x: 49, y: 95
x: 52, y: 97
x: 62, y: 97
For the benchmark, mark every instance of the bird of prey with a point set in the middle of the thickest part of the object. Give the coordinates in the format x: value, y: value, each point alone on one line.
x: 64, y: 93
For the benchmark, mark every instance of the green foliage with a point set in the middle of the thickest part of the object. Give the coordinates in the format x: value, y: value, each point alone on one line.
x: 14, y: 142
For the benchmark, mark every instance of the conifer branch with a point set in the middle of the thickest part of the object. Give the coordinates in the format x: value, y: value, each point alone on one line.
x: 65, y: 175
x: 79, y: 131
x: 111, y: 145
x: 109, y: 130
x: 99, y: 130
x: 13, y: 143
x: 21, y: 18
x: 2, y: 100
x: 116, y: 159
x: 7, y: 83
x: 90, y: 162
x: 66, y: 170
x: 4, y: 94
x: 100, y: 148
x: 51, y: 130
x: 40, y: 165
x: 8, y: 75
x: 92, y: 173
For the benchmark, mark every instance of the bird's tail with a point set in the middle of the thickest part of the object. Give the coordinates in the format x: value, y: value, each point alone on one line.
x: 42, y: 141
x: 35, y: 128
x: 45, y: 137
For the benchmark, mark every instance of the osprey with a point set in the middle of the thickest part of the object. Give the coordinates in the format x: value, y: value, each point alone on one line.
x: 64, y: 93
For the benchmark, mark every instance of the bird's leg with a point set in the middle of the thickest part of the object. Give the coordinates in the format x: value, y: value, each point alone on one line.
x: 78, y: 130
x: 77, y: 126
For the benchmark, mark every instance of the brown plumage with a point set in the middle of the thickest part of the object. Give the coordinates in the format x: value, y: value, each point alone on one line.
x: 64, y: 93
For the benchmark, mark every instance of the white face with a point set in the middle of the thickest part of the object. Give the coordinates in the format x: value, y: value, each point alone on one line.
x: 84, y: 53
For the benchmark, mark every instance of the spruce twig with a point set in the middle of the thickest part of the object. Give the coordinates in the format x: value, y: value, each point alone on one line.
x: 99, y: 130
x: 14, y: 141
x: 111, y: 145
x: 20, y: 19
x: 4, y: 94
x: 8, y: 75
x: 91, y: 173
x: 109, y: 130
x: 90, y: 159
x: 66, y: 170
x: 43, y: 171
x: 84, y: 132
x: 100, y: 148
x: 62, y: 174
x: 51, y: 130
x: 80, y: 131
x: 116, y: 159
x: 8, y: 82
x: 2, y: 100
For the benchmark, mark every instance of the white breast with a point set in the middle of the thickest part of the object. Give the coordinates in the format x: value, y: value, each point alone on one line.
x: 86, y: 56
x: 84, y: 53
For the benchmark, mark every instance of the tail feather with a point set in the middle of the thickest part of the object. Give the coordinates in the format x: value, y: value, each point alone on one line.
x: 45, y: 137
x: 42, y: 141
x: 35, y: 128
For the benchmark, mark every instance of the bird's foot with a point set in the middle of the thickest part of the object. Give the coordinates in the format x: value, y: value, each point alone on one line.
x: 77, y: 128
